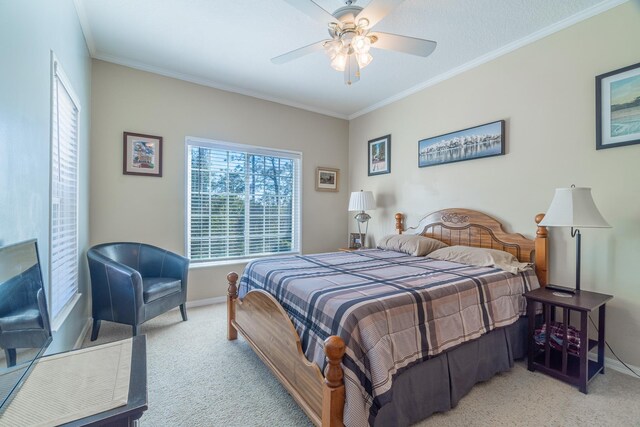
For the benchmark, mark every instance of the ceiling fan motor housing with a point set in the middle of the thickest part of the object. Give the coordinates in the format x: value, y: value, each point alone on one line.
x: 347, y: 14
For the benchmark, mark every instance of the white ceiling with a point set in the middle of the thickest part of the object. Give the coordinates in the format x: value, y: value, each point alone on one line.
x: 228, y: 44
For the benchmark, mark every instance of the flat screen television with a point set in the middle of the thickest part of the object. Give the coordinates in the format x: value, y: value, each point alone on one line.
x: 25, y: 331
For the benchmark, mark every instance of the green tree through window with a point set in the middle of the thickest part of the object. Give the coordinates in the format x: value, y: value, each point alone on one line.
x: 241, y: 203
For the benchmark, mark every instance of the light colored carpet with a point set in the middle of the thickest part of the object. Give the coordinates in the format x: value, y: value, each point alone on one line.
x: 198, y: 378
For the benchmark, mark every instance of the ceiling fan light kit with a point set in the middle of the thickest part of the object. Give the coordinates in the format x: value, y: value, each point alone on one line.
x: 351, y: 40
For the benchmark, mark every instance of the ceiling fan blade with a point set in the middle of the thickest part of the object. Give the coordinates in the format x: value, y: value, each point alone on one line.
x: 300, y: 52
x: 311, y: 9
x: 376, y: 10
x: 406, y: 44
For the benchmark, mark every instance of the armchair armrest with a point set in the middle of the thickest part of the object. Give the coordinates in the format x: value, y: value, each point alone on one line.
x: 112, y: 281
x: 120, y: 272
x: 42, y: 307
x: 175, y: 265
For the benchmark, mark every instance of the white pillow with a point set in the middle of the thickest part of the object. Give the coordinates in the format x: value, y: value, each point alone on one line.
x: 410, y: 244
x: 481, y: 257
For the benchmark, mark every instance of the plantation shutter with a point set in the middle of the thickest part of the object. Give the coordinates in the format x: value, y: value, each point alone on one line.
x: 243, y: 201
x: 64, y: 193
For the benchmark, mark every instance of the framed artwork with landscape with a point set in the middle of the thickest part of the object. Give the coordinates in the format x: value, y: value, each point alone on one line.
x: 618, y: 107
x: 327, y: 179
x: 142, y: 154
x: 380, y: 155
x: 473, y: 143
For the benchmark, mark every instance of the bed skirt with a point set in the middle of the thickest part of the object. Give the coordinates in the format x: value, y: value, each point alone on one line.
x: 438, y: 384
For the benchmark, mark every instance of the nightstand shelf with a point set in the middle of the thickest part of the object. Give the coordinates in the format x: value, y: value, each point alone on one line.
x: 573, y: 369
x: 573, y: 366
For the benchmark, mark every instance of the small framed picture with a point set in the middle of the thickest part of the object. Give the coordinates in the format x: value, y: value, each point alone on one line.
x: 618, y: 108
x: 380, y: 155
x: 327, y: 179
x: 142, y: 154
x: 356, y: 240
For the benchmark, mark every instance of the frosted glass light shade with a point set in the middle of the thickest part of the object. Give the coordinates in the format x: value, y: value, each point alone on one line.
x: 333, y: 48
x: 339, y: 62
x: 364, y: 59
x: 573, y: 207
x: 361, y: 44
x: 361, y: 201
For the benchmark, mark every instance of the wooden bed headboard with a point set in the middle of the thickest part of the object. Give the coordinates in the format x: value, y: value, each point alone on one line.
x: 467, y: 227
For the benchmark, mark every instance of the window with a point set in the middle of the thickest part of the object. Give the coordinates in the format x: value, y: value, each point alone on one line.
x: 242, y: 201
x: 65, y: 113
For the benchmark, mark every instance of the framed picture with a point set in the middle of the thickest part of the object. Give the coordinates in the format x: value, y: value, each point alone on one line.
x: 327, y: 179
x: 380, y: 155
x: 473, y: 143
x: 357, y: 240
x: 618, y: 108
x: 142, y: 154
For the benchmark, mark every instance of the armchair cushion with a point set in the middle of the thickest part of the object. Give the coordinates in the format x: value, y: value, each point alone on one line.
x: 157, y: 287
x: 25, y: 319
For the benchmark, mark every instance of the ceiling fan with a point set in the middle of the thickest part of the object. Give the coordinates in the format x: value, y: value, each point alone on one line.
x: 351, y: 36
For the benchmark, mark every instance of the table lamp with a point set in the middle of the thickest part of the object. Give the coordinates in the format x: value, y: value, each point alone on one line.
x: 362, y: 201
x: 573, y: 207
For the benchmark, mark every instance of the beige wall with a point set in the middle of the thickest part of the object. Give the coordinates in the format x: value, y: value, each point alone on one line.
x: 546, y: 93
x: 152, y: 210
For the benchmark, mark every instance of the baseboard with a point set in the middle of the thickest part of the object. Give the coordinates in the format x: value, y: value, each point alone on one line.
x: 615, y: 365
x: 83, y: 334
x: 203, y: 302
x: 206, y: 301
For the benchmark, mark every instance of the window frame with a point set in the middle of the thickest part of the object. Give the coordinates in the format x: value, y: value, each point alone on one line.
x: 191, y: 141
x: 58, y: 74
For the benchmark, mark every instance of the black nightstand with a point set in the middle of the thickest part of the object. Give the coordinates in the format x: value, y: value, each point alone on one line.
x: 577, y: 370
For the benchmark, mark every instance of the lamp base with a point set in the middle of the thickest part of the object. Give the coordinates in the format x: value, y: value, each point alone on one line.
x: 561, y: 289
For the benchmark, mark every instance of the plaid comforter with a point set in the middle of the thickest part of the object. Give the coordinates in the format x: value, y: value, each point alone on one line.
x: 392, y: 310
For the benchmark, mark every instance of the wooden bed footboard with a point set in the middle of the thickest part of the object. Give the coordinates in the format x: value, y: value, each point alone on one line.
x: 266, y: 326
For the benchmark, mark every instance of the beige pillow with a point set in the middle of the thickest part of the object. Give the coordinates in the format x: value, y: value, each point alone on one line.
x: 481, y: 257
x: 410, y: 244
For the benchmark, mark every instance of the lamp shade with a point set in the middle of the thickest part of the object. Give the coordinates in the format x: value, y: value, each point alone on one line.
x: 573, y: 207
x: 361, y: 201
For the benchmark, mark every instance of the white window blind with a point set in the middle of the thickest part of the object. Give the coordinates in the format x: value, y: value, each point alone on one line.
x: 64, y: 192
x: 242, y: 201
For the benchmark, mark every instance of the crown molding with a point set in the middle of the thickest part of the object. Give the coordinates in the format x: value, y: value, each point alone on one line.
x: 544, y: 32
x: 531, y: 38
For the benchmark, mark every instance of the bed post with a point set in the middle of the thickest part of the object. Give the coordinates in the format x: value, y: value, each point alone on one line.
x: 333, y: 387
x: 399, y: 226
x: 232, y: 295
x: 542, y: 253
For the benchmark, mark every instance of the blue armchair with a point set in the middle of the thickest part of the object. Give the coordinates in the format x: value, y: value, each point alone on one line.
x: 134, y: 282
x: 24, y: 319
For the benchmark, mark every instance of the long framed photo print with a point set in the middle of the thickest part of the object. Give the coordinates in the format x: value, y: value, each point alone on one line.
x: 618, y: 107
x: 380, y: 155
x: 473, y: 143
